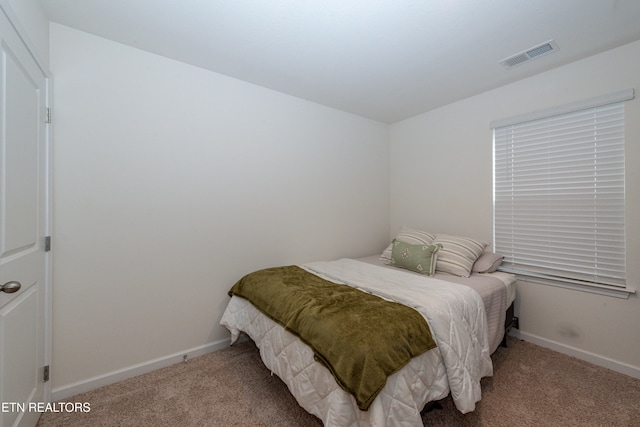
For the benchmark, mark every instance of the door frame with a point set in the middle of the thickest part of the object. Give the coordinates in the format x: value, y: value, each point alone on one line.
x: 5, y: 7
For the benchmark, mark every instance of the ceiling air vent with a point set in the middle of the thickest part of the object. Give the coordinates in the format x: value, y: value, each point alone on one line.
x: 529, y: 54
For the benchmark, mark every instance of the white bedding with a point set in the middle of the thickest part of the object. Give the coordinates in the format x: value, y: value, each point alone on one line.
x: 497, y: 290
x: 458, y: 323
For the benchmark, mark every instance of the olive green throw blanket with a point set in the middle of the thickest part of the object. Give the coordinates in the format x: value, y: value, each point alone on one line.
x: 359, y: 337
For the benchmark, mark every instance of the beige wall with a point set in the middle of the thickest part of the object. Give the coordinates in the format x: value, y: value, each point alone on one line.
x: 441, y: 181
x: 170, y: 183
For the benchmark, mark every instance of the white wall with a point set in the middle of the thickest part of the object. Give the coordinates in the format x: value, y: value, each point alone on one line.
x: 34, y: 26
x: 171, y: 182
x: 441, y: 181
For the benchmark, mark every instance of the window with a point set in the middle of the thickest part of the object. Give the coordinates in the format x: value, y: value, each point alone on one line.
x: 559, y: 199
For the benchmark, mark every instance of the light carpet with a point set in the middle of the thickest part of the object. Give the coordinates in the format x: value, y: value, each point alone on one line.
x: 531, y: 386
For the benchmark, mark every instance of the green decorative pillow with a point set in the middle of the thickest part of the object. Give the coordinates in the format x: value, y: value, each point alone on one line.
x: 418, y: 258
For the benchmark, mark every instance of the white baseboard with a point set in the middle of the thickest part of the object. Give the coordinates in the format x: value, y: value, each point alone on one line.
x: 67, y: 391
x: 142, y: 368
x: 596, y: 359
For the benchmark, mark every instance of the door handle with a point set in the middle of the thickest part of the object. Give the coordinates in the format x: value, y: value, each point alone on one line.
x: 11, y: 287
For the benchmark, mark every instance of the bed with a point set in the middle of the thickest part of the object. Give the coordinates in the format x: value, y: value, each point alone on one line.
x: 466, y: 316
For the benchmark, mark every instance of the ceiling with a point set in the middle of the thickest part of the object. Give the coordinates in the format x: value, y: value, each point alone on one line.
x: 383, y: 59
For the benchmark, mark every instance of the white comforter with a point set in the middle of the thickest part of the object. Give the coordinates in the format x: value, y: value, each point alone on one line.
x: 458, y: 323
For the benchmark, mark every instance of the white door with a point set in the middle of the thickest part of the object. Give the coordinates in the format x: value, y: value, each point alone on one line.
x: 23, y: 227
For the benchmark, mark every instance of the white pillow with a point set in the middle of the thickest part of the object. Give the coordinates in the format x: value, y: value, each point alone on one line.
x: 457, y: 254
x: 410, y: 236
x: 488, y: 262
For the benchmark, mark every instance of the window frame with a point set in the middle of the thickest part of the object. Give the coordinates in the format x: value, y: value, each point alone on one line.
x: 616, y: 290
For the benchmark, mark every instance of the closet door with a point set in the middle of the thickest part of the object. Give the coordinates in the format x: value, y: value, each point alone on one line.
x: 23, y: 222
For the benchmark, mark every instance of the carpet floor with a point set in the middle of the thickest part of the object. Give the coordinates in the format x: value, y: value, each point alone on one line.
x: 531, y: 386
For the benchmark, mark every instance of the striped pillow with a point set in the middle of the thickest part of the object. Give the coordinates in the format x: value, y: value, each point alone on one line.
x: 411, y: 236
x: 457, y: 254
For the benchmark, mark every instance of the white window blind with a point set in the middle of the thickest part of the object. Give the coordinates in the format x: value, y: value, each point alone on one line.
x: 559, y: 196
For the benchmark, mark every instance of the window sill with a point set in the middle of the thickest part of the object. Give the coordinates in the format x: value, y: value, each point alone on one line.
x: 610, y: 291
